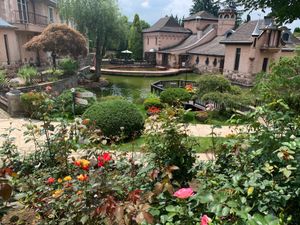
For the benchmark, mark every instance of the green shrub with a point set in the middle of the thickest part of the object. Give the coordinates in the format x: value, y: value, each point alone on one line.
x: 32, y: 102
x: 170, y: 144
x: 54, y: 72
x: 64, y: 103
x: 201, y: 116
x: 27, y: 73
x: 68, y: 65
x: 173, y: 96
x: 3, y: 79
x: 149, y: 102
x: 213, y: 83
x: 188, y: 117
x: 111, y: 97
x: 116, y: 118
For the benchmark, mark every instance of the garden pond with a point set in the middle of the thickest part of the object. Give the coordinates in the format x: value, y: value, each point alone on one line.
x: 133, y: 88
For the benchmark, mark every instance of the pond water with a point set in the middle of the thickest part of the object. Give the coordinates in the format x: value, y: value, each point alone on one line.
x: 136, y: 87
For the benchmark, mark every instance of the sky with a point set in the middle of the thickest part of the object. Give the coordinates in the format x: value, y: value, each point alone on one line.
x: 152, y: 10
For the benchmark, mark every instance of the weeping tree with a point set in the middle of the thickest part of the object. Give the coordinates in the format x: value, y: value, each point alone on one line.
x: 100, y: 20
x: 59, y: 39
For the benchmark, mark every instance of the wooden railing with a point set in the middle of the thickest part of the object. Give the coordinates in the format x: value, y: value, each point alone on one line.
x: 161, y: 85
x: 30, y: 17
x: 3, y: 103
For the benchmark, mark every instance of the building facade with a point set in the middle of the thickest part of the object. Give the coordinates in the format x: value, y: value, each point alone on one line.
x: 214, y: 44
x: 20, y: 20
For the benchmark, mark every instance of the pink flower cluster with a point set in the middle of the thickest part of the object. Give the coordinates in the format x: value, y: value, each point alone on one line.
x: 185, y: 193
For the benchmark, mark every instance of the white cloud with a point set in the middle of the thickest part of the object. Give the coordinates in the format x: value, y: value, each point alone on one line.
x: 145, y: 4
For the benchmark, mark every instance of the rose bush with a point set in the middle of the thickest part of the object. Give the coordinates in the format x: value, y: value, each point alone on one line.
x: 70, y: 179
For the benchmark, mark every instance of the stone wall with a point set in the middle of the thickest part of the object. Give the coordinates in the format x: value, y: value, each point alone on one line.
x: 57, y: 86
x: 244, y: 79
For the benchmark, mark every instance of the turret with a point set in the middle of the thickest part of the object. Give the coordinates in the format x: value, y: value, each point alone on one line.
x: 227, y: 20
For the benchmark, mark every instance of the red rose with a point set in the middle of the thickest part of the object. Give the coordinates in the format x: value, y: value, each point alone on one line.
x: 50, y: 180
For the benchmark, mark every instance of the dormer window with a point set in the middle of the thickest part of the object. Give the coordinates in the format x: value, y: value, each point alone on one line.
x: 229, y: 33
x: 226, y: 16
x: 286, y: 37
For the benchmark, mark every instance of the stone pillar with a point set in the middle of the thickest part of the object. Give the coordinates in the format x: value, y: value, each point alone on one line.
x: 14, y: 103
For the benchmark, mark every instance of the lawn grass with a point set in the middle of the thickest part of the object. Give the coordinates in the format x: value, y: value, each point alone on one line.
x: 203, y: 144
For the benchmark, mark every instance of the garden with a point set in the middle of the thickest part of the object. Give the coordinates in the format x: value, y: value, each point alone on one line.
x: 112, y: 161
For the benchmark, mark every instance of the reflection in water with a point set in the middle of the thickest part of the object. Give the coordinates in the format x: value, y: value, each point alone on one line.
x: 133, y: 88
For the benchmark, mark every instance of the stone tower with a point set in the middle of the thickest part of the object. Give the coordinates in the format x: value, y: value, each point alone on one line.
x: 227, y: 20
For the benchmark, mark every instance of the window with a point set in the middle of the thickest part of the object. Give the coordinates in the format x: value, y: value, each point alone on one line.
x: 265, y: 65
x: 147, y: 40
x: 6, y: 49
x: 215, y: 62
x: 23, y: 11
x: 237, y: 59
x: 156, y: 40
x: 207, y: 61
x: 197, y: 60
x: 50, y: 15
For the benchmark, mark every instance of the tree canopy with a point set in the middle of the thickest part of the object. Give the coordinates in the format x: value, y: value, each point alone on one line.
x: 99, y: 19
x: 283, y: 82
x: 284, y: 10
x: 135, y: 41
x: 210, y: 6
x: 59, y: 39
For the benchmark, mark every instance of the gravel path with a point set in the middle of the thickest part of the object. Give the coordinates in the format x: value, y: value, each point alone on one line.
x: 18, y: 124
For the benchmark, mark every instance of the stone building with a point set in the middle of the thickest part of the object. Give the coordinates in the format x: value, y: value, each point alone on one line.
x: 20, y: 20
x: 214, y: 44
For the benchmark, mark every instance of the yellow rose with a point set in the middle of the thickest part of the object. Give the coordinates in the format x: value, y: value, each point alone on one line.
x: 57, y: 193
x: 68, y: 178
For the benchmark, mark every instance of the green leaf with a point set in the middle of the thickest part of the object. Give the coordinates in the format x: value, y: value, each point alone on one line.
x: 225, y: 211
x: 84, y: 219
x: 171, y: 208
x: 206, y: 197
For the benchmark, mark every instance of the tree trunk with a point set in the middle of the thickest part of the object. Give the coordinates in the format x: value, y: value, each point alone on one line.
x: 53, y: 54
x: 98, y: 56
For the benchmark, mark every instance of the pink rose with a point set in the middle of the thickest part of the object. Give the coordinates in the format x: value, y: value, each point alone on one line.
x: 48, y: 89
x: 205, y: 220
x: 184, y: 193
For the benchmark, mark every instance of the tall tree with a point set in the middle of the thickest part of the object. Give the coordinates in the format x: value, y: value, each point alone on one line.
x: 144, y: 24
x: 99, y: 19
x: 135, y: 42
x: 210, y: 6
x: 284, y: 10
